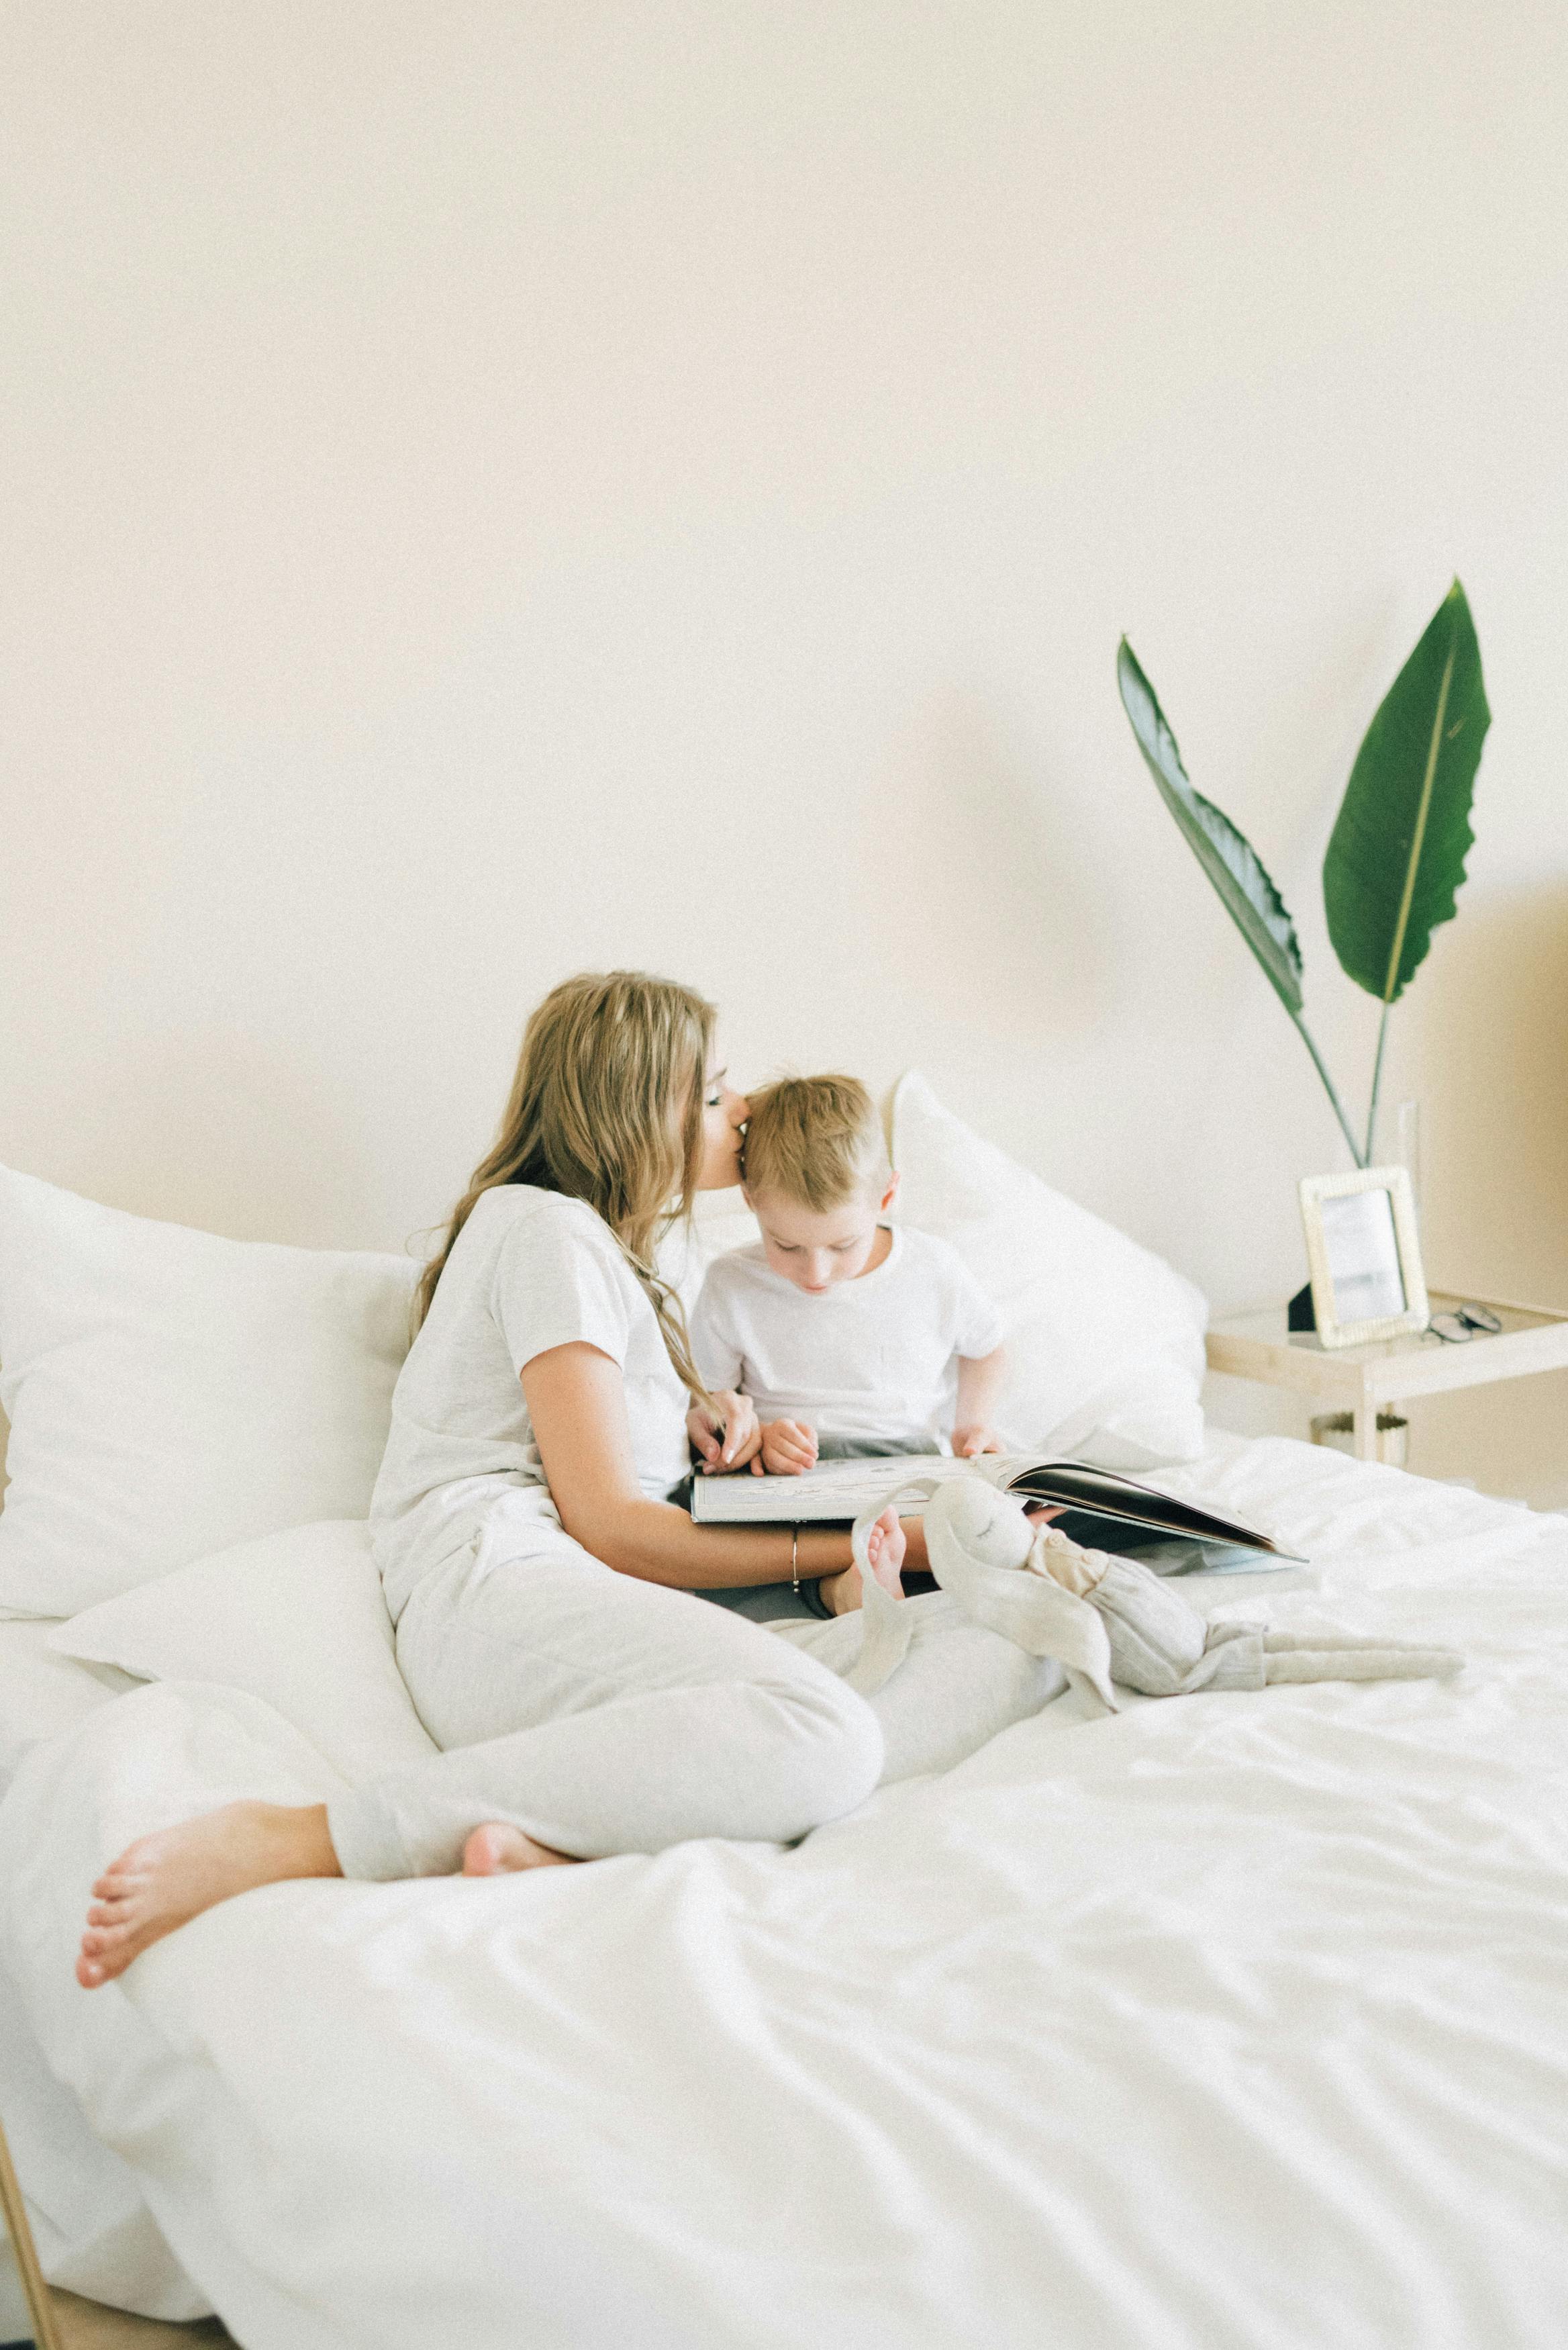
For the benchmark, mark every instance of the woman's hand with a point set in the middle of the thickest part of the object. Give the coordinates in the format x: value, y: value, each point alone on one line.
x: 726, y: 1437
x: 976, y: 1439
x: 788, y: 1448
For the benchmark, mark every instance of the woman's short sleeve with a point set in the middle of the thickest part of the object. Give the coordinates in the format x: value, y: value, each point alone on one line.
x: 558, y: 1281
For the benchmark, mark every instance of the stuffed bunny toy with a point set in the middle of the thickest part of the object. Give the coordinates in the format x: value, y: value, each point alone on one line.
x: 1104, y: 1619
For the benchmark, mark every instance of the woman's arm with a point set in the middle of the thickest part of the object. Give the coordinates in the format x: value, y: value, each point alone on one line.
x: 577, y: 1403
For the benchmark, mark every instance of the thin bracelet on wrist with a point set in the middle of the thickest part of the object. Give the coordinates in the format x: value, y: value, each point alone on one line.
x: 795, y: 1560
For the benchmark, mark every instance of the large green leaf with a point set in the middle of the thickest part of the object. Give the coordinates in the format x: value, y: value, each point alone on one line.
x: 1396, y: 854
x: 1228, y: 859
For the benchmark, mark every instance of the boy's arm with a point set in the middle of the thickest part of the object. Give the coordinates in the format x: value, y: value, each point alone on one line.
x: 980, y: 1378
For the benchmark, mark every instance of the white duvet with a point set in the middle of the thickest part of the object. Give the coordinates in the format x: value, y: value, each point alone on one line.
x: 1232, y: 2020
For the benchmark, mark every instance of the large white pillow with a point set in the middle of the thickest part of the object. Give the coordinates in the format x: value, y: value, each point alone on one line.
x: 1105, y: 1340
x: 721, y: 1222
x: 170, y: 1393
x: 297, y: 1619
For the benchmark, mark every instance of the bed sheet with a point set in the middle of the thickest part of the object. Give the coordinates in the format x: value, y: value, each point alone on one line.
x: 1235, y: 2023
x: 94, y: 2231
x: 41, y: 1693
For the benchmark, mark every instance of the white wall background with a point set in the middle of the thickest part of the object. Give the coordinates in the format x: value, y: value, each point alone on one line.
x: 492, y: 488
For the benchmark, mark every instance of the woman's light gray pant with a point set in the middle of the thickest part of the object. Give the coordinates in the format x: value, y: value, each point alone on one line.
x: 600, y: 1714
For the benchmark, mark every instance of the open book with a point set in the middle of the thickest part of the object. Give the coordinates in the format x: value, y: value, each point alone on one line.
x: 839, y: 1490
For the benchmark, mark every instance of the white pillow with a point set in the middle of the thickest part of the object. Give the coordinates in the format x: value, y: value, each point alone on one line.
x: 170, y: 1392
x: 721, y: 1222
x: 297, y: 1619
x: 1105, y: 1341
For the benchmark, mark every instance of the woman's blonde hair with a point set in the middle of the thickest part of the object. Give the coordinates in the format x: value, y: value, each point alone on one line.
x: 816, y: 1142
x: 607, y: 1107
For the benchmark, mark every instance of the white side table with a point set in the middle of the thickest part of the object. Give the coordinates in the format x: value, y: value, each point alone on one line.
x: 1364, y: 1380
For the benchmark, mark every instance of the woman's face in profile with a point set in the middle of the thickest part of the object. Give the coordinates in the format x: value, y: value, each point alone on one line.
x: 724, y: 1112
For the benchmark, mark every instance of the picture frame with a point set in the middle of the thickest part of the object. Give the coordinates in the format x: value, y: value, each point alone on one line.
x: 1363, y: 1256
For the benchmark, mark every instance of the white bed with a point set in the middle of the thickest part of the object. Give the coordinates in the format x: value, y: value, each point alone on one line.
x: 94, y: 2231
x: 1237, y: 2022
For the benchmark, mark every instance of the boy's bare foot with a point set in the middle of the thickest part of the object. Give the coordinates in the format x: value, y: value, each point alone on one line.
x: 498, y: 1850
x: 885, y: 1547
x: 162, y: 1881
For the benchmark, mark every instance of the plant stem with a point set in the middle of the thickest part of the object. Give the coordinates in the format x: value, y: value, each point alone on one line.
x: 1376, y: 1086
x: 1328, y: 1087
x: 1402, y: 920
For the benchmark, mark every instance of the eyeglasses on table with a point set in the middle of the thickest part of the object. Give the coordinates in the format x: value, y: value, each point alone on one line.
x: 1457, y: 1327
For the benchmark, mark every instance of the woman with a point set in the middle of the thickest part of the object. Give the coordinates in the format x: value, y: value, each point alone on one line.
x: 586, y: 1700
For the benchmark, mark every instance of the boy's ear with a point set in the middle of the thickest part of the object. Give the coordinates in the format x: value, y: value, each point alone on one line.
x: 892, y: 1194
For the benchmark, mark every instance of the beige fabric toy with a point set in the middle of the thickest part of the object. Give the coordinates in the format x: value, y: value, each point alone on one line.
x: 1104, y: 1619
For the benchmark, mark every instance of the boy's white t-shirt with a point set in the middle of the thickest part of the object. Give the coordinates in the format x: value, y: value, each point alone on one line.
x: 530, y: 1270
x: 870, y: 1360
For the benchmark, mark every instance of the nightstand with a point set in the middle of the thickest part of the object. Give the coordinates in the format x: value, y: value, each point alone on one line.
x: 1365, y: 1380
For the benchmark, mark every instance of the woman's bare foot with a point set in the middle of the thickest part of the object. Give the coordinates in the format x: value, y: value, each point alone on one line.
x: 162, y: 1881
x: 886, y: 1545
x: 498, y: 1851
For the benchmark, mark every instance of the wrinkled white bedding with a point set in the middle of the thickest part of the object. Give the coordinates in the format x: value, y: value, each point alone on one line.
x: 92, y: 2226
x: 1233, y: 2021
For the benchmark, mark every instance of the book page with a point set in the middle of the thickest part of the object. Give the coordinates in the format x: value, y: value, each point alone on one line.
x: 834, y: 1489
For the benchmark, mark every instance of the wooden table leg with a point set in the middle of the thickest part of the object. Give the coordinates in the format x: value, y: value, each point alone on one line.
x: 1365, y: 1425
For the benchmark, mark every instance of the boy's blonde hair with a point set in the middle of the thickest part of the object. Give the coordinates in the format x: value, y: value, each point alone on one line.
x: 607, y: 1107
x: 814, y: 1141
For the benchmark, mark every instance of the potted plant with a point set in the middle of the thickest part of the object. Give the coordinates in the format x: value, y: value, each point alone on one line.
x: 1396, y: 854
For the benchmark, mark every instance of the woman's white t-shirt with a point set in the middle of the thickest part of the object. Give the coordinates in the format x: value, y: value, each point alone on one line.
x: 530, y: 1270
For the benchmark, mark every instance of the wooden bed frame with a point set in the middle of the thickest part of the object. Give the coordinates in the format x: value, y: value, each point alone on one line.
x: 64, y: 2321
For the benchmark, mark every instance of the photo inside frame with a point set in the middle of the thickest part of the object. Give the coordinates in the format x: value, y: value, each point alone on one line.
x: 1363, y: 1256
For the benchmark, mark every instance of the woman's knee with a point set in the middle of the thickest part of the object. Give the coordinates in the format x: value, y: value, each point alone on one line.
x: 832, y: 1752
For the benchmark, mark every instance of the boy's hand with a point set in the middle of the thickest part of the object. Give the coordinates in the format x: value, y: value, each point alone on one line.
x: 728, y: 1436
x: 788, y: 1448
x: 967, y: 1441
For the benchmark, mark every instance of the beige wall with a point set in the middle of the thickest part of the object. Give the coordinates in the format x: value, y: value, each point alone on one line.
x: 497, y: 489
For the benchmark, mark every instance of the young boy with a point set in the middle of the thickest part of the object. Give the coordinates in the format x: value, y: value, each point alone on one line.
x: 844, y: 1332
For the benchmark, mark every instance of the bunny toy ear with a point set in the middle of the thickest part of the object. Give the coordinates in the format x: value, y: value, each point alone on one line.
x: 886, y: 1625
x: 978, y: 1540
